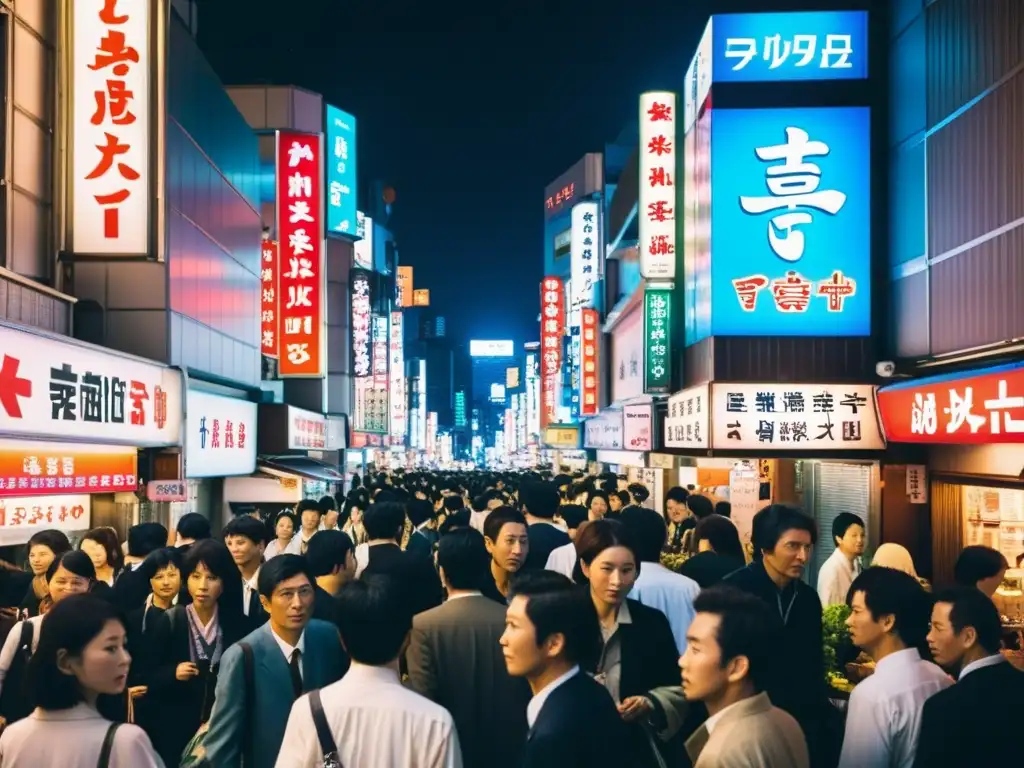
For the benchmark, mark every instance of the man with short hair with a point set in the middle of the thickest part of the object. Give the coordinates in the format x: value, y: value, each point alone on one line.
x: 838, y: 572
x: 192, y: 527
x: 131, y: 588
x: 246, y: 539
x: 332, y: 562
x: 309, y: 513
x: 960, y: 725
x: 540, y: 504
x: 372, y: 718
x: 454, y: 658
x: 727, y: 664
x: 888, y: 621
x: 508, y: 543
x: 384, y: 523
x: 291, y: 653
x: 329, y: 512
x: 550, y: 630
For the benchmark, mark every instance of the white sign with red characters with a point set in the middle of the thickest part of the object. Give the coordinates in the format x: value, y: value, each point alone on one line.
x: 657, y: 196
x: 111, y: 69
x: 306, y: 430
x: 268, y: 298
x: 221, y: 440
x: 21, y: 518
x: 73, y: 391
x: 590, y: 376
x: 396, y: 397
x: 300, y: 278
x: 552, y: 332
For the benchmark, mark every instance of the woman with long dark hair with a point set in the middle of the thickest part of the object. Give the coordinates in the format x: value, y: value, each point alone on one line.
x: 103, y: 548
x: 43, y: 548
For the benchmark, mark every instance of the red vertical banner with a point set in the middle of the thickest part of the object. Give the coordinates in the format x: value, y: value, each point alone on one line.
x: 300, y: 271
x: 589, y: 374
x: 552, y: 329
x: 268, y: 299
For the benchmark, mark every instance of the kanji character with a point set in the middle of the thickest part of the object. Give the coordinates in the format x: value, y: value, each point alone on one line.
x: 114, y: 100
x: 659, y: 211
x: 660, y: 177
x: 108, y: 13
x: 113, y: 51
x: 792, y: 293
x: 660, y: 111
x: 747, y: 289
x: 838, y: 289
x: 659, y: 145
x: 299, y: 152
x: 924, y: 417
x: 108, y: 154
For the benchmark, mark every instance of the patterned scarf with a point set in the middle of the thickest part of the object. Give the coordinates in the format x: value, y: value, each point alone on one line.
x: 206, y: 643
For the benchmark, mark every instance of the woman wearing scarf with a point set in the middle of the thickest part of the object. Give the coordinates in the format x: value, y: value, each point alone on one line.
x: 187, y: 644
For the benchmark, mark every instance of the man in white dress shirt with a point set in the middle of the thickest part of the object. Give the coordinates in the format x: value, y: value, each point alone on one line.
x: 889, y: 622
x: 843, y: 565
x: 563, y: 559
x: 374, y: 720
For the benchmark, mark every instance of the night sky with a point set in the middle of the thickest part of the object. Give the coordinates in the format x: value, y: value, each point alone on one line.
x: 468, y: 115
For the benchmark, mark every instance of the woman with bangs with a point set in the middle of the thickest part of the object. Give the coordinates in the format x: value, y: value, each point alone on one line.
x: 187, y: 644
x: 103, y: 548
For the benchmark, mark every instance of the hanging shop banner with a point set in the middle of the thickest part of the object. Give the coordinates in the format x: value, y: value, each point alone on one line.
x: 917, y: 483
x: 380, y: 351
x: 421, y: 297
x: 362, y: 249
x: 562, y: 437
x: 360, y: 396
x: 657, y: 340
x: 975, y: 407
x: 657, y: 196
x: 22, y: 517
x: 552, y: 329
x: 221, y: 439
x: 590, y: 377
x: 604, y: 432
x: 637, y: 429
x: 687, y: 422
x: 585, y: 249
x: 403, y: 286
x: 795, y: 417
x: 41, y: 469
x: 342, y: 174
x: 73, y: 391
x: 361, y: 331
x: 396, y: 381
x: 300, y: 283
x: 376, y: 411
x: 111, y: 82
x: 268, y: 298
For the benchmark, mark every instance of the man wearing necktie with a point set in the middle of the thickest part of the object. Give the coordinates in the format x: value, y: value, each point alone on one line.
x: 291, y: 651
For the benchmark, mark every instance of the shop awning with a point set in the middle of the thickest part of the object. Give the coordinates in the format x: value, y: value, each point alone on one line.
x: 303, y: 466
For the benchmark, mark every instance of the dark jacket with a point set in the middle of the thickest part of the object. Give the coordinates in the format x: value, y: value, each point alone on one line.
x: 131, y: 588
x: 416, y: 574
x: 544, y: 539
x: 972, y: 722
x: 578, y: 727
x: 709, y: 568
x: 799, y: 687
x: 325, y: 606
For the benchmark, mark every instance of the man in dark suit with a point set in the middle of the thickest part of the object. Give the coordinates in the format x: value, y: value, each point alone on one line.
x: 384, y: 523
x: 454, y: 658
x: 540, y: 504
x: 291, y: 654
x: 551, y: 629
x: 971, y: 722
x: 332, y: 562
x: 246, y: 538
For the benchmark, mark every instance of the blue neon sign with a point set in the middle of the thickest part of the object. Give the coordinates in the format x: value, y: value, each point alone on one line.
x: 791, y: 222
x: 813, y: 45
x: 342, y: 179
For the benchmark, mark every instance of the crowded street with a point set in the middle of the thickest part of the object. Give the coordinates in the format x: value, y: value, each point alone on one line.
x: 438, y: 388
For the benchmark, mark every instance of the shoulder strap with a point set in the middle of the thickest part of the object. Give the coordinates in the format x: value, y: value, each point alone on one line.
x: 249, y: 677
x: 28, y: 631
x: 323, y: 730
x: 108, y: 746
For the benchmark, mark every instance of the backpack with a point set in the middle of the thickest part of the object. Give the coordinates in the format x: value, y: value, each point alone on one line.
x: 14, y: 701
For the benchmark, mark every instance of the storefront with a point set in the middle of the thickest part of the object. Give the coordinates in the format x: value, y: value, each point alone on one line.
x: 76, y: 425
x: 971, y: 475
x: 815, y: 445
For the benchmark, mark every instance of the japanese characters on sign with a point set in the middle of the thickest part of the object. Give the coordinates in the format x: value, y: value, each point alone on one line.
x: 657, y: 196
x: 604, y: 432
x: 979, y: 407
x: 657, y: 340
x: 562, y: 437
x: 552, y: 331
x: 560, y: 196
x: 396, y: 399
x: 590, y: 372
x: 917, y: 483
x: 361, y: 324
x: 687, y: 420
x: 59, y: 390
x: 111, y: 141
x: 48, y: 469
x: 627, y: 357
x: 306, y: 430
x: 167, y: 490
x: 815, y: 45
x: 362, y: 249
x: 637, y: 430
x: 268, y: 299
x: 221, y: 440
x: 403, y: 286
x: 22, y: 517
x: 586, y: 249
x: 300, y: 233
x: 342, y: 178
x: 791, y: 218
x: 421, y: 297
x: 380, y: 351
x: 795, y: 417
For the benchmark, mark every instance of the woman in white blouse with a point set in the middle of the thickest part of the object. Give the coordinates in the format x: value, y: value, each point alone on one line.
x: 285, y: 540
x: 81, y: 655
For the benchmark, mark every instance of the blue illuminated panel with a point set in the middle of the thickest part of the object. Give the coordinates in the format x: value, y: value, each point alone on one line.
x: 342, y: 177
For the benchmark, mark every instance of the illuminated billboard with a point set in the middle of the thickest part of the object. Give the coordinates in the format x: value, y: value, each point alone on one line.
x: 478, y: 348
x: 497, y: 393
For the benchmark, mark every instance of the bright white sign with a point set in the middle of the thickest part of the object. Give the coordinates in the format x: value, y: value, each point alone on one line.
x: 636, y: 426
x: 498, y: 393
x: 795, y: 417
x: 657, y: 185
x: 585, y: 250
x: 64, y: 391
x: 603, y: 432
x: 478, y: 348
x: 362, y: 250
x: 221, y: 439
x: 111, y: 69
x: 396, y: 381
x: 306, y: 430
x: 20, y: 519
x: 686, y: 420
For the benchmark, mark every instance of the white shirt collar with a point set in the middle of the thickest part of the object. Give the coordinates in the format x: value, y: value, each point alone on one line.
x: 288, y: 649
x: 467, y: 593
x: 251, y: 584
x: 906, y: 656
x: 537, y: 702
x: 714, y: 719
x: 988, y: 661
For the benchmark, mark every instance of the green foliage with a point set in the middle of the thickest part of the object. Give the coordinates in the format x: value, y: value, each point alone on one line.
x: 835, y: 634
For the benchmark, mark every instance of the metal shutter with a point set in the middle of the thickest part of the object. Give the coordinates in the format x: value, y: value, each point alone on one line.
x: 836, y: 488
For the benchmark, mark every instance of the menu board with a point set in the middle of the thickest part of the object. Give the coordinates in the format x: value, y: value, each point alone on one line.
x: 994, y: 517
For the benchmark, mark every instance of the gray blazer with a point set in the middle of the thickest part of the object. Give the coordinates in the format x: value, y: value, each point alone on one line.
x: 323, y: 662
